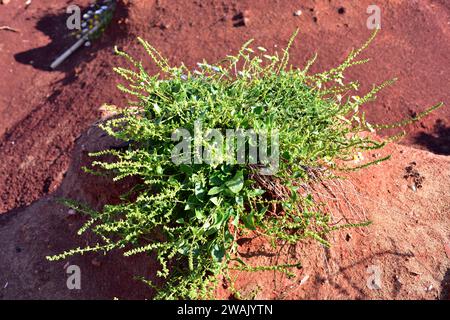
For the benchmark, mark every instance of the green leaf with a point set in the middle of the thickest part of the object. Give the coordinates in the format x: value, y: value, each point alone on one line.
x: 256, y: 192
x: 242, y: 262
x: 228, y: 238
x: 239, y: 200
x: 186, y: 169
x: 181, y: 221
x: 218, y: 252
x: 236, y: 220
x: 237, y: 183
x: 262, y: 211
x: 215, y: 190
x: 199, y: 191
x: 216, y: 200
x: 156, y: 108
x: 211, y: 231
x: 258, y: 110
x: 249, y: 221
x: 199, y: 214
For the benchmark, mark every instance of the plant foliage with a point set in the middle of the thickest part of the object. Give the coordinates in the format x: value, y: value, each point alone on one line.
x: 191, y: 215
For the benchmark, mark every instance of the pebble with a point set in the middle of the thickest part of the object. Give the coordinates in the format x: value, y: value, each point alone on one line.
x: 298, y: 13
x: 247, y: 14
x: 348, y: 237
x: 303, y: 281
x: 71, y: 212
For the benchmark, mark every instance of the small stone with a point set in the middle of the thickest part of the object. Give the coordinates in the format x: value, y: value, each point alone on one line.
x: 5, y: 1
x: 164, y: 26
x: 303, y: 281
x: 298, y: 13
x: 246, y: 17
x: 242, y: 18
x: 71, y: 212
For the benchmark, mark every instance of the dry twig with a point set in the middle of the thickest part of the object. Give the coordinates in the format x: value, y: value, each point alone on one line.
x: 9, y: 29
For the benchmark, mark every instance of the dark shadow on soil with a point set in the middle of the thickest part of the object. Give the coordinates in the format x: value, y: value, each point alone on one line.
x: 445, y: 286
x: 437, y: 142
x: 361, y: 287
x: 54, y: 26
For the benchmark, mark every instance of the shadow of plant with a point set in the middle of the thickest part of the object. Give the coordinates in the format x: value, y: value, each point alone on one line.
x: 445, y: 286
x: 437, y: 142
x: 54, y: 26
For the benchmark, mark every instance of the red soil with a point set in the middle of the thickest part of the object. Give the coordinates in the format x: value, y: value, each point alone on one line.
x: 43, y: 112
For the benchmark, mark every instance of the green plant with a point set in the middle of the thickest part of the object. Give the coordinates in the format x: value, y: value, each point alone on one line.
x: 191, y: 215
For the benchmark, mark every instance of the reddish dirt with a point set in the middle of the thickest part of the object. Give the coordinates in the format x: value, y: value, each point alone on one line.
x: 43, y: 112
x: 47, y: 228
x: 406, y: 241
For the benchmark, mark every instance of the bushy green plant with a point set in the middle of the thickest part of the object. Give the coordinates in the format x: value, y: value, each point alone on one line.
x: 191, y: 215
